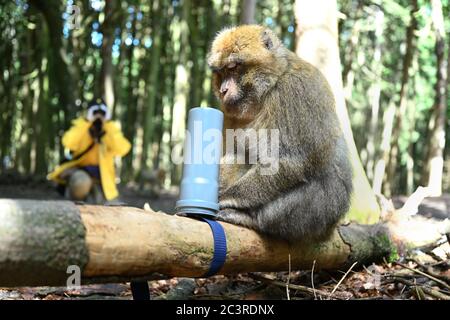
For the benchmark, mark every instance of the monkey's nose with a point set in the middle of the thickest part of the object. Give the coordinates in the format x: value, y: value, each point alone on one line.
x: 224, y: 87
x: 223, y: 90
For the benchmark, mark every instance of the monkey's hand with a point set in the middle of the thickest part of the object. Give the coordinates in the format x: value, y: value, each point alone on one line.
x: 235, y: 216
x: 255, y: 189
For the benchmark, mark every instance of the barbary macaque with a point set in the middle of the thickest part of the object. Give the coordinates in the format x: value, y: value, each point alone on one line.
x: 263, y: 85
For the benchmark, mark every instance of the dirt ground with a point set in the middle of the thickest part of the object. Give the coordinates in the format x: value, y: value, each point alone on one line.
x: 383, y: 281
x: 43, y: 190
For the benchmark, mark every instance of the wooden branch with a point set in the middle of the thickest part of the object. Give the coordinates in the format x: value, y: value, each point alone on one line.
x: 430, y: 291
x: 411, y: 206
x: 442, y: 283
x: 40, y: 239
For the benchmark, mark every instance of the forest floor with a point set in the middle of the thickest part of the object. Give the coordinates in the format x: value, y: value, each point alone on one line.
x: 419, y: 276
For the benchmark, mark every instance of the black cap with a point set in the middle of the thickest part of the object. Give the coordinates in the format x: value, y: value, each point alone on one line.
x: 96, y: 101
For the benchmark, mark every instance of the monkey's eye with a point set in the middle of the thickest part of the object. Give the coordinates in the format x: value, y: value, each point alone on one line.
x: 214, y: 69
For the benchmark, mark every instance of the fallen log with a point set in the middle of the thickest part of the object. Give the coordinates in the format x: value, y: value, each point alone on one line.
x: 39, y: 240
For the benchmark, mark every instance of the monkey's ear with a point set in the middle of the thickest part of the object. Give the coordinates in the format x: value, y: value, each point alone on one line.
x: 267, y: 40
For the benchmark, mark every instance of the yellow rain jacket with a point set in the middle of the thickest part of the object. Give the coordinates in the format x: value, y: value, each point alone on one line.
x: 113, y: 143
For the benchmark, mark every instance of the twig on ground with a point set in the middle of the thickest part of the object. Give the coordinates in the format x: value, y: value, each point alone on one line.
x: 430, y: 247
x: 312, y: 279
x: 434, y: 256
x: 288, y: 279
x: 343, y: 277
x: 443, y: 264
x: 425, y: 275
x: 417, y: 291
x: 218, y: 296
x: 432, y: 272
x: 372, y: 298
x: 432, y: 292
x: 298, y: 287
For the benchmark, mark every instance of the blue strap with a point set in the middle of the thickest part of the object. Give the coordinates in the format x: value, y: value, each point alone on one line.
x: 220, y: 247
x: 140, y: 289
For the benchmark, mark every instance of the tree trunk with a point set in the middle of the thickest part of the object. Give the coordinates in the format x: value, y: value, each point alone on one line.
x: 401, y: 110
x: 7, y: 106
x: 39, y: 240
x: 106, y: 81
x: 319, y: 45
x: 350, y: 48
x: 179, y: 111
x: 446, y: 179
x: 130, y: 113
x: 212, y: 23
x: 195, y: 88
x: 27, y: 115
x: 375, y: 93
x: 435, y: 159
x: 169, y: 89
x: 59, y: 65
x: 43, y: 125
x: 248, y: 12
x: 149, y: 113
x: 410, y: 154
x: 380, y: 166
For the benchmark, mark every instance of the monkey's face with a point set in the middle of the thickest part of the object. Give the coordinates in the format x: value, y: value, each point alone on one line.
x: 245, y: 65
x: 228, y: 83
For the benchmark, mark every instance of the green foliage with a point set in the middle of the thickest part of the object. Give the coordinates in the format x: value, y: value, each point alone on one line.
x: 413, y: 139
x: 384, y: 242
x: 151, y: 39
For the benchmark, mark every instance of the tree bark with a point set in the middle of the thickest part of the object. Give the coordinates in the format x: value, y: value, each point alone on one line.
x: 195, y: 52
x: 40, y: 239
x: 131, y: 112
x: 106, y: 82
x: 248, y: 12
x: 181, y: 92
x: 58, y: 62
x: 26, y: 132
x: 435, y: 159
x: 317, y: 43
x: 375, y: 92
x: 351, y: 47
x: 149, y: 109
x: 380, y: 165
x: 401, y: 110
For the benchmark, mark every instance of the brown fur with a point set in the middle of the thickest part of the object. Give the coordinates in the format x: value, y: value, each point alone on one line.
x: 278, y: 90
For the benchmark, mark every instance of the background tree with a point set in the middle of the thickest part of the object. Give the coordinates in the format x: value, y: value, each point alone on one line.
x: 248, y: 12
x: 106, y: 83
x: 391, y: 158
x: 385, y: 60
x: 434, y: 163
x: 317, y: 43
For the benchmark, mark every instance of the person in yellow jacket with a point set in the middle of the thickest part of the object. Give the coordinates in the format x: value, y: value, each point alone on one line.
x: 94, y: 141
